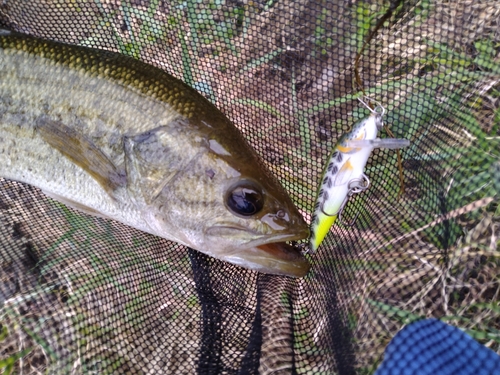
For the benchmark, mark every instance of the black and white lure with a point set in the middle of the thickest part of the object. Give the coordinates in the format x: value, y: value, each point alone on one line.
x: 344, y: 174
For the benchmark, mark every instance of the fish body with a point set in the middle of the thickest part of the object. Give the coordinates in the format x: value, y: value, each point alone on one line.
x: 120, y: 139
x: 346, y: 163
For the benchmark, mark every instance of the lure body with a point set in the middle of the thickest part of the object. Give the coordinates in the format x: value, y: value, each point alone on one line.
x: 345, y: 166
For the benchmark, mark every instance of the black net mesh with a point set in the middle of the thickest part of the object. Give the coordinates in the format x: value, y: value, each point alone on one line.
x: 80, y: 294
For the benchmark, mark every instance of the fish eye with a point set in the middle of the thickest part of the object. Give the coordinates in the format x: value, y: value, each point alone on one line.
x: 245, y: 199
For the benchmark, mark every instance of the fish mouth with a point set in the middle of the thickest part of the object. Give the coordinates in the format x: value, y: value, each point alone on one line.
x: 259, y: 238
x: 267, y: 253
x: 276, y: 258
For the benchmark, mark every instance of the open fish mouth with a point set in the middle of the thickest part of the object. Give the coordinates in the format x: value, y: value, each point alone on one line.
x: 265, y: 253
x: 275, y: 258
x: 259, y: 237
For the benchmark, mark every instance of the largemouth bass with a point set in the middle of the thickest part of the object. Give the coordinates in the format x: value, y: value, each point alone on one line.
x: 117, y: 138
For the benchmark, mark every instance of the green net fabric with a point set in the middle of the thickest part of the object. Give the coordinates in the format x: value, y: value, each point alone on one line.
x: 80, y: 294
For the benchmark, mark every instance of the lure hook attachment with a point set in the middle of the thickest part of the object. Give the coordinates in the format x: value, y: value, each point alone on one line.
x: 378, y: 110
x: 355, y: 186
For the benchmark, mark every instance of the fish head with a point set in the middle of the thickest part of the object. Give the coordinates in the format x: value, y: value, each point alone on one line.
x: 257, y: 212
x: 224, y: 202
x: 253, y: 222
x: 242, y: 221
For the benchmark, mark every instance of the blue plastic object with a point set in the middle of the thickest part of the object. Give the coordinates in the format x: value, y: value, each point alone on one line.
x: 432, y: 347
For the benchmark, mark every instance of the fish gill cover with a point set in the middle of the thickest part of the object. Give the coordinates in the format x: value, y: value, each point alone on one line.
x: 80, y: 294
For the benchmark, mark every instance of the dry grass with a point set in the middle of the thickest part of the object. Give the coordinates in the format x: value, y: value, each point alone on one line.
x: 419, y: 276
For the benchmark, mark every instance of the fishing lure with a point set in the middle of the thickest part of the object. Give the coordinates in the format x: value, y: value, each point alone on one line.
x: 344, y: 175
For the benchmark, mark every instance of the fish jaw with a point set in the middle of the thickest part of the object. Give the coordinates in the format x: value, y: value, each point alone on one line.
x: 269, y: 254
x: 231, y: 236
x: 276, y: 258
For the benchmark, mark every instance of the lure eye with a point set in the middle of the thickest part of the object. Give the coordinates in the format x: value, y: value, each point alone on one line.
x: 245, y: 199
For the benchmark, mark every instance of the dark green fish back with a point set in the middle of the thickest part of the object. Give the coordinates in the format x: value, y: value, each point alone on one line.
x: 149, y: 80
x: 154, y: 83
